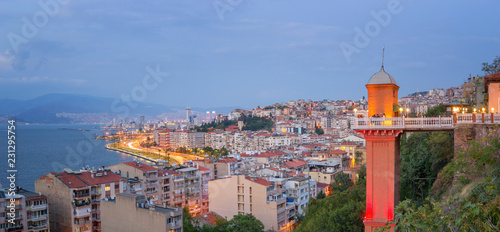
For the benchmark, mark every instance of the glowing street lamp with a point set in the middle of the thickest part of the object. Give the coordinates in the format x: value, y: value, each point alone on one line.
x: 492, y: 110
x: 401, y: 111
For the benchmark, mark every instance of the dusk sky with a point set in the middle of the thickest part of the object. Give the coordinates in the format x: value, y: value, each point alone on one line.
x: 241, y: 52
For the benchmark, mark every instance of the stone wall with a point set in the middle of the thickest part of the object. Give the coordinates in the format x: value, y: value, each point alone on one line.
x: 464, y: 133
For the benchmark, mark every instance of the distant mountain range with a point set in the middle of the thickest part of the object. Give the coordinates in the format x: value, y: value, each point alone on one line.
x: 43, y: 109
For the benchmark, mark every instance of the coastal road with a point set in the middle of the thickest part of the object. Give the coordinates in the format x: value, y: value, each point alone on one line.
x: 178, y: 157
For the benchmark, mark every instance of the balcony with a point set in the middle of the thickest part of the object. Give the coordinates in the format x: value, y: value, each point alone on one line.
x: 81, y: 194
x: 135, y: 189
x: 14, y: 227
x: 82, y: 212
x: 82, y: 223
x: 196, y: 183
x: 178, y: 186
x: 178, y: 193
x: 37, y: 227
x: 151, y: 191
x: 96, y: 193
x: 152, y: 178
x: 81, y: 204
x: 152, y: 183
x: 38, y: 218
x: 178, y: 178
x: 192, y: 177
x: 7, y: 209
x: 178, y: 200
x: 36, y: 207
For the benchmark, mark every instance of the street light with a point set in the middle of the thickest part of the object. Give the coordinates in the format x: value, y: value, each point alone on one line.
x: 407, y: 111
x: 401, y: 111
x: 492, y: 110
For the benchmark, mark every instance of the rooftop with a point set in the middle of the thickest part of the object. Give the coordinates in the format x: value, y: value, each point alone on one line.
x: 82, y: 179
x: 381, y: 78
x: 259, y: 180
x: 141, y: 166
x: 209, y: 217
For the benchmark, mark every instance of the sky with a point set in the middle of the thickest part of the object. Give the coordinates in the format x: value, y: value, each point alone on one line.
x: 244, y: 53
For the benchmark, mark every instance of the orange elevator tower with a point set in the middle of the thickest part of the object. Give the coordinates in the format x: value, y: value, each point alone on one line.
x: 382, y: 95
x: 382, y: 147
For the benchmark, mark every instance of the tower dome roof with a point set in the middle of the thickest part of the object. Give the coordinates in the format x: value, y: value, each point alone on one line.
x: 381, y: 78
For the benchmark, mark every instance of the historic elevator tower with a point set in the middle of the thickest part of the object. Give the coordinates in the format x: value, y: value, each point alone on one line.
x: 382, y: 147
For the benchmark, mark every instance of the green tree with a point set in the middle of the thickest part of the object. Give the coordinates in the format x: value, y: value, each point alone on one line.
x: 439, y: 110
x: 423, y: 156
x: 341, y: 211
x: 319, y: 130
x: 470, y: 204
x: 320, y: 195
x: 493, y: 67
x: 187, y: 221
x: 341, y: 182
x: 244, y: 223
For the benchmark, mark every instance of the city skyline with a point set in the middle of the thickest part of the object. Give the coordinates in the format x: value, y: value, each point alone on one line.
x: 245, y: 54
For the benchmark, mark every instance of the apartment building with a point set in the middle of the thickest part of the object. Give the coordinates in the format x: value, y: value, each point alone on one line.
x: 136, y: 171
x: 74, y: 197
x: 178, y: 197
x: 218, y: 167
x: 206, y: 176
x: 132, y: 212
x: 165, y: 182
x: 300, y: 190
x: 187, y: 139
x: 176, y: 139
x: 250, y: 195
x: 192, y: 189
x: 31, y: 211
x: 323, y: 171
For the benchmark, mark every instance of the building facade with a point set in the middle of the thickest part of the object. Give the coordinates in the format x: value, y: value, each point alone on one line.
x: 132, y: 212
x: 74, y: 197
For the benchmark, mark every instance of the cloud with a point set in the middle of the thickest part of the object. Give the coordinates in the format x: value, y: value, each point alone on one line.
x: 6, y: 60
x: 21, y: 57
x: 38, y: 79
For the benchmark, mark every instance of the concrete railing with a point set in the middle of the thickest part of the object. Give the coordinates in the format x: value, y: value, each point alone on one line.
x: 423, y: 122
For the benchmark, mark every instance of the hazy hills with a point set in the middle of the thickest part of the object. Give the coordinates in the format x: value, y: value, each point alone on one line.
x: 43, y: 109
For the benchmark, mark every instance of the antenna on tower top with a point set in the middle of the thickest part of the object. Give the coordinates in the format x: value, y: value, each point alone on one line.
x: 383, y: 53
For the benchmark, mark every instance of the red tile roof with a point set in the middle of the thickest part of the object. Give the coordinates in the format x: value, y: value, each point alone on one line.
x: 294, y: 173
x: 84, y: 179
x: 209, y: 217
x: 110, y: 177
x: 322, y: 185
x: 338, y: 152
x: 295, y: 163
x: 259, y: 180
x: 203, y: 168
x: 349, y: 144
x: 141, y: 166
x: 162, y: 172
x: 70, y: 180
